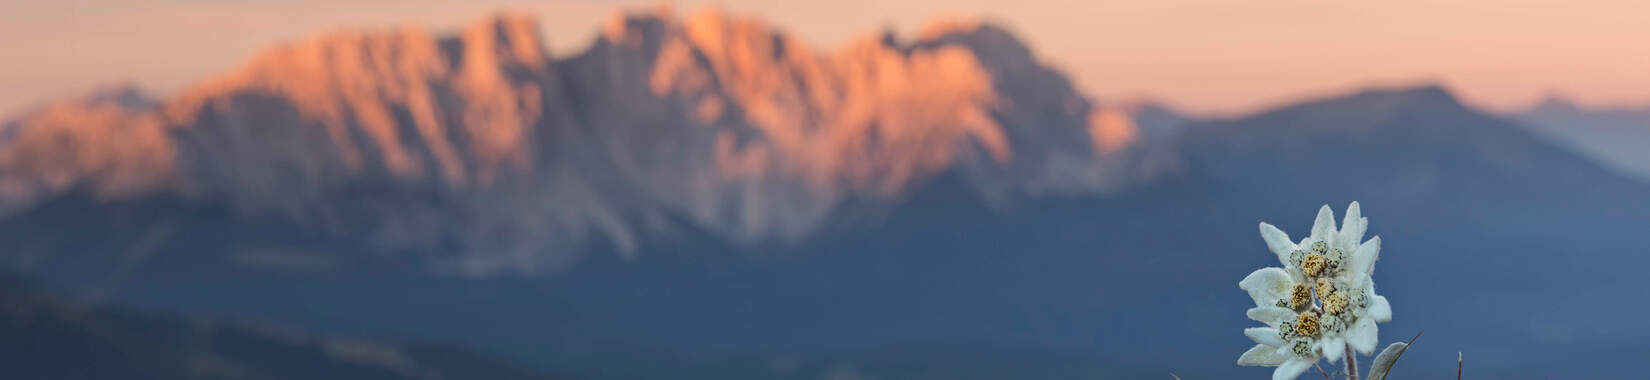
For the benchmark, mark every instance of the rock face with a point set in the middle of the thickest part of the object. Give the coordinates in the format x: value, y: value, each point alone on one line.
x: 750, y: 132
x: 483, y: 142
x: 1616, y: 137
x: 108, y: 144
x: 462, y: 111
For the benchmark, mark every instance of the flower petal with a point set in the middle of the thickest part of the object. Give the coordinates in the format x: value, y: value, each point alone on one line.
x: 1379, y: 309
x: 1353, y: 226
x: 1363, y: 260
x: 1271, y: 315
x: 1333, y: 348
x: 1291, y: 369
x: 1262, y: 355
x: 1267, y: 285
x: 1264, y: 335
x: 1324, y: 228
x: 1363, y: 335
x: 1277, y: 241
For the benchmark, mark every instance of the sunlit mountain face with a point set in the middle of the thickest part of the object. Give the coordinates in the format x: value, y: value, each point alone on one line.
x: 517, y: 162
x: 704, y: 196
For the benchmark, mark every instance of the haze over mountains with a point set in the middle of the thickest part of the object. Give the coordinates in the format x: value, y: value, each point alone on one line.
x: 706, y: 197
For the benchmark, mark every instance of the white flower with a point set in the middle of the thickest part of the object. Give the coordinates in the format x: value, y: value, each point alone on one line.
x: 1321, y: 302
x: 1321, y: 254
x: 1292, y: 339
x: 1364, y: 310
x: 1353, y: 286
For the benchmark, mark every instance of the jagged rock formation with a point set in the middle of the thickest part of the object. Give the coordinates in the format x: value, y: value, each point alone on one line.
x: 484, y: 142
x: 108, y: 144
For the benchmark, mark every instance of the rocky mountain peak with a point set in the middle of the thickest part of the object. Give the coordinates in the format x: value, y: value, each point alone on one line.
x: 716, y: 118
x: 987, y: 39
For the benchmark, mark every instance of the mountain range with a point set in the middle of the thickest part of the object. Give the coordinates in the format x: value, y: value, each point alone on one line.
x: 707, y: 197
x: 513, y: 161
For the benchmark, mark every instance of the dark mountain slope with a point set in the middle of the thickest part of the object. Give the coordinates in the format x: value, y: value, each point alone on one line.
x: 43, y: 336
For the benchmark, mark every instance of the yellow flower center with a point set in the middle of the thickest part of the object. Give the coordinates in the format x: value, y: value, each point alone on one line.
x: 1300, y: 297
x: 1307, y: 325
x: 1314, y: 264
x: 1335, y: 303
x: 1325, y: 286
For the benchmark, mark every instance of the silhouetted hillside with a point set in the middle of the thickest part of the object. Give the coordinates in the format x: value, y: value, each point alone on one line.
x: 43, y: 336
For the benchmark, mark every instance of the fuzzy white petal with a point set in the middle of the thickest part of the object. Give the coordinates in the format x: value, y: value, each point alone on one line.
x: 1267, y: 285
x: 1363, y: 260
x: 1363, y: 335
x: 1353, y: 226
x: 1291, y: 369
x: 1379, y: 309
x: 1271, y: 315
x: 1333, y: 348
x: 1277, y: 241
x: 1264, y: 335
x: 1263, y: 355
x: 1324, y: 228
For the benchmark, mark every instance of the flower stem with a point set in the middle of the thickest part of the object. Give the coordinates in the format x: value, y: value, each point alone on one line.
x: 1351, y: 363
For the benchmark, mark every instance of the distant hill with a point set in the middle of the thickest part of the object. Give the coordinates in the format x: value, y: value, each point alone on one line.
x: 1618, y: 137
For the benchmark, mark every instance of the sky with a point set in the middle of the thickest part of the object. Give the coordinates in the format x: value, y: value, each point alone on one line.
x: 1203, y: 56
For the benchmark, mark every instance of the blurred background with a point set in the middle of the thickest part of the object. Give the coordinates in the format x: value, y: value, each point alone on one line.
x: 608, y: 189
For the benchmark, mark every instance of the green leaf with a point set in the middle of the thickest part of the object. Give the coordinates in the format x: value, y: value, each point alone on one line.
x: 1384, y: 361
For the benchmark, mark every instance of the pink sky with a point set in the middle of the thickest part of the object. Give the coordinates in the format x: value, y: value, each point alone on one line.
x: 1212, y: 56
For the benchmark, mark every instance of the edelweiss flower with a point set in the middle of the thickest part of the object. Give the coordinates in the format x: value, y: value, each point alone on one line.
x: 1354, y: 287
x: 1323, y: 299
x: 1292, y: 339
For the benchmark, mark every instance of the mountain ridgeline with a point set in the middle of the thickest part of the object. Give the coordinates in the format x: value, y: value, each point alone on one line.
x: 514, y: 161
x: 717, y: 200
x: 1616, y: 136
